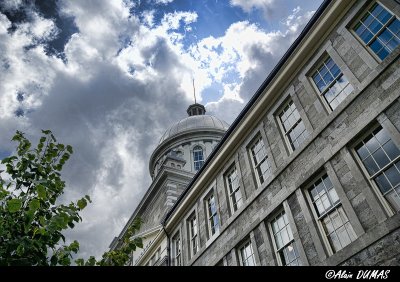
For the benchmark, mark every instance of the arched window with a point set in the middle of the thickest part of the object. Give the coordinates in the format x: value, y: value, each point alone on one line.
x: 198, y: 157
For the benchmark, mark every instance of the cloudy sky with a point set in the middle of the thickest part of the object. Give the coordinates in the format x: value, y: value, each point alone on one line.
x: 108, y: 77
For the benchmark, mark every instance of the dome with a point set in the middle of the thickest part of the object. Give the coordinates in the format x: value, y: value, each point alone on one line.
x: 195, y: 122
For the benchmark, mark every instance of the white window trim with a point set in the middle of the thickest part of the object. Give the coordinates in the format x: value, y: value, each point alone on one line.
x: 280, y: 124
x: 192, y: 214
x: 257, y: 137
x: 247, y: 241
x: 321, y: 95
x: 211, y: 191
x: 176, y: 233
x: 317, y: 218
x: 381, y: 199
x: 271, y: 232
x: 357, y: 18
x: 229, y: 194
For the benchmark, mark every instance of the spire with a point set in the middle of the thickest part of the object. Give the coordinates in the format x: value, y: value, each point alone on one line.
x: 194, y: 92
x: 195, y: 109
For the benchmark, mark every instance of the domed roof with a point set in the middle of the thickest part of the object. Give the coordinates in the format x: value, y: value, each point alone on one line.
x: 195, y: 122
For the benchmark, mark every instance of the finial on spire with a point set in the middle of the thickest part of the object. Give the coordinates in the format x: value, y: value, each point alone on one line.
x: 194, y: 92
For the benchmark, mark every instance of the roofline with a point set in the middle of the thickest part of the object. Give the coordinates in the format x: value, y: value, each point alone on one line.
x: 252, y: 101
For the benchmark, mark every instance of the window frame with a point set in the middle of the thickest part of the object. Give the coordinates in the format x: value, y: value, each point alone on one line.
x: 381, y: 199
x: 274, y: 244
x: 283, y: 132
x: 321, y: 95
x: 318, y: 218
x: 361, y: 13
x: 211, y: 192
x: 228, y: 172
x: 266, y: 158
x: 192, y: 215
x: 239, y: 252
x: 177, y: 234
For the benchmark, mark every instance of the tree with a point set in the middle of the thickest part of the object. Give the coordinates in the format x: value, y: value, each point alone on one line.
x: 31, y: 220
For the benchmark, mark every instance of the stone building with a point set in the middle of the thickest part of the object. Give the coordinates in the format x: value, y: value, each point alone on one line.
x: 309, y: 172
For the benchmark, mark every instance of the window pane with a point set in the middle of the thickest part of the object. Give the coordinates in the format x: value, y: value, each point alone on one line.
x: 372, y: 144
x: 391, y: 150
x: 362, y: 152
x: 371, y: 166
x: 393, y: 175
x: 381, y: 158
x: 383, y: 183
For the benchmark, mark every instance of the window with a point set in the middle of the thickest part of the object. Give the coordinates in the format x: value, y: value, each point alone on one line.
x: 379, y: 30
x: 212, y: 215
x: 381, y: 158
x: 284, y: 242
x: 192, y: 227
x: 330, y: 214
x: 176, y: 248
x: 292, y: 125
x: 198, y: 157
x: 235, y: 196
x: 331, y: 83
x: 259, y: 160
x: 246, y: 255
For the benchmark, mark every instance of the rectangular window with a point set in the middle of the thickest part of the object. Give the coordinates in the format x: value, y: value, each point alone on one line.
x: 235, y: 196
x: 176, y: 248
x: 259, y: 160
x: 331, y: 83
x: 212, y: 215
x: 381, y: 158
x: 192, y: 227
x: 294, y: 130
x: 246, y: 255
x: 330, y: 213
x: 379, y: 30
x: 285, y: 246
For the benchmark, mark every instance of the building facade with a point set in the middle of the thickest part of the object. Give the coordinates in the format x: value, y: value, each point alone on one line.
x: 308, y: 174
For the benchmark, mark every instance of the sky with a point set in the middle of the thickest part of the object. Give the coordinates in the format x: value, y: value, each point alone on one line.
x: 109, y: 77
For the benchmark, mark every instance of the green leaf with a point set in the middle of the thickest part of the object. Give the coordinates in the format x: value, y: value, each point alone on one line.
x: 34, y: 205
x: 14, y: 205
x: 69, y: 149
x: 20, y: 250
x: 41, y: 191
x: 82, y: 203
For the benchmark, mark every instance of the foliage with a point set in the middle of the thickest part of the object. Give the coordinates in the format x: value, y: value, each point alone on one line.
x: 31, y: 220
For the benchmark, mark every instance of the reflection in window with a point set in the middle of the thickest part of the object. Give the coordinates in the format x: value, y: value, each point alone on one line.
x: 212, y: 215
x: 330, y: 213
x: 331, y: 83
x: 381, y: 158
x: 198, y: 157
x: 294, y: 129
x: 235, y: 196
x: 380, y: 30
x: 284, y: 242
x: 259, y: 159
x: 246, y: 255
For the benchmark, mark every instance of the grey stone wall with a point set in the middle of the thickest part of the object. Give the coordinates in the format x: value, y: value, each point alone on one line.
x: 329, y: 145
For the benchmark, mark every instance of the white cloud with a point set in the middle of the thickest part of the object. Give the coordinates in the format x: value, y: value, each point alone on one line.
x: 248, y: 5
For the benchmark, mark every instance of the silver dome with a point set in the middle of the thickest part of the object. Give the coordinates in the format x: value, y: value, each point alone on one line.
x: 192, y: 123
